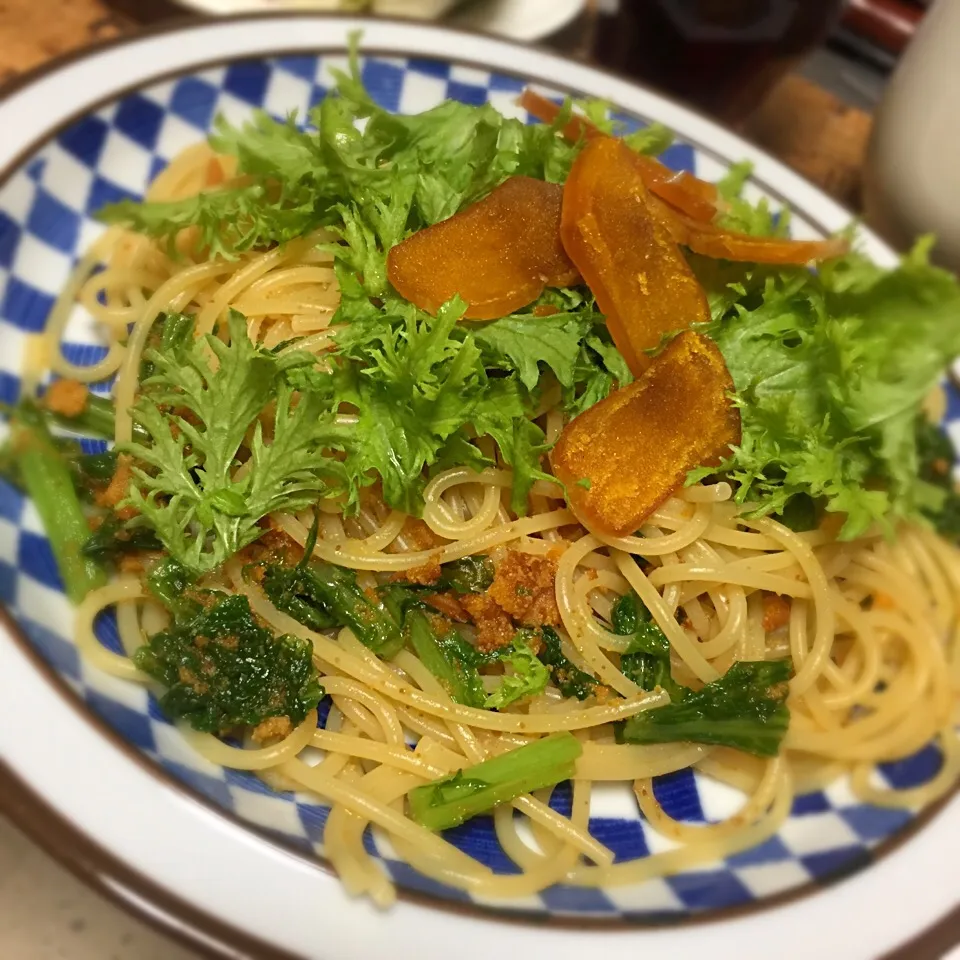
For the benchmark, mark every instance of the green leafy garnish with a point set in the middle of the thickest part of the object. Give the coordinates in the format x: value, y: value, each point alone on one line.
x: 745, y: 709
x: 199, y: 418
x: 467, y: 575
x: 936, y: 455
x: 830, y: 370
x: 742, y: 216
x: 529, y: 676
x: 47, y: 479
x: 423, y: 388
x: 400, y: 174
x: 632, y: 619
x: 222, y: 670
x: 323, y: 595
x: 447, y: 656
x: 567, y: 677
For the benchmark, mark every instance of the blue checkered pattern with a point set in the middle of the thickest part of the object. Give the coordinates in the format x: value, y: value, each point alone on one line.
x: 46, y: 219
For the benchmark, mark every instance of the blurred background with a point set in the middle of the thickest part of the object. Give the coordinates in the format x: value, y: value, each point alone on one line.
x: 814, y: 82
x: 800, y: 77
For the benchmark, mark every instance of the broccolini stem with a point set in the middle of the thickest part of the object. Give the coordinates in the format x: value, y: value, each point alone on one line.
x: 99, y: 418
x: 47, y: 480
x: 449, y: 802
x: 372, y: 622
x: 425, y: 644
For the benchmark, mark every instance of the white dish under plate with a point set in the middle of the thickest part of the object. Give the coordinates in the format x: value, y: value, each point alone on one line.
x: 516, y: 19
x: 90, y: 767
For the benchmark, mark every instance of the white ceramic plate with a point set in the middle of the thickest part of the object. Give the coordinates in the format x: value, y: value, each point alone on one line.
x: 515, y: 19
x: 97, y: 127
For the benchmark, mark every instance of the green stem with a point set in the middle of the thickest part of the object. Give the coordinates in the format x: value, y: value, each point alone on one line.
x: 464, y: 684
x: 336, y: 588
x: 761, y: 738
x: 47, y: 480
x: 99, y: 417
x: 449, y: 802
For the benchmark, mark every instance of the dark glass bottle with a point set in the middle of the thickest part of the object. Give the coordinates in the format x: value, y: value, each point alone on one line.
x: 719, y: 55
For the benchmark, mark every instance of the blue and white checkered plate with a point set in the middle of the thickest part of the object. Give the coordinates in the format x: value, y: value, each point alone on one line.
x: 96, y: 754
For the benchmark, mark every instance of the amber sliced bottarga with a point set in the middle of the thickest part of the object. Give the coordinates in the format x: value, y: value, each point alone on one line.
x: 624, y: 456
x: 689, y: 205
x: 632, y: 264
x: 693, y: 196
x: 498, y: 254
x: 712, y: 241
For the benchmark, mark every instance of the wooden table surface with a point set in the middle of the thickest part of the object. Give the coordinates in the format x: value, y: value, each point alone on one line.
x: 801, y: 123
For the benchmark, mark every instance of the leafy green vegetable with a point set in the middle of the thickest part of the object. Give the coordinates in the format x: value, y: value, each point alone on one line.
x: 529, y: 676
x: 292, y: 591
x: 415, y: 386
x: 323, y: 595
x: 567, y: 677
x: 229, y: 221
x: 649, y: 672
x: 222, y: 670
x: 467, y: 575
x: 830, y: 369
x: 936, y: 457
x: 170, y: 333
x: 47, y: 480
x: 172, y: 585
x: 422, y: 392
x: 524, y: 342
x: 631, y: 618
x: 400, y: 174
x: 745, y: 709
x: 647, y: 660
x: 743, y: 216
x: 97, y: 468
x: 422, y: 388
x: 829, y: 366
x: 447, y: 656
x: 651, y: 139
x: 87, y: 469
x: 799, y: 513
x: 116, y: 538
x: 449, y: 802
x: 199, y: 418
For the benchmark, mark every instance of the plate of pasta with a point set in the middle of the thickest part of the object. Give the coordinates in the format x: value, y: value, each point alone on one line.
x: 466, y: 498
